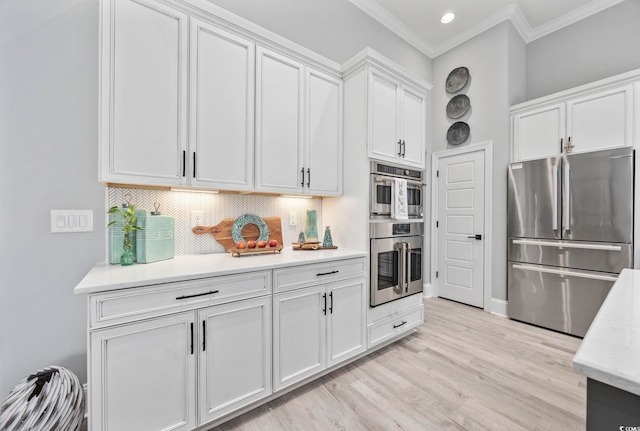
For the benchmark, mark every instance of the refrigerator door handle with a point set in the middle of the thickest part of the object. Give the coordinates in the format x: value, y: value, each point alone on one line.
x: 568, y: 245
x: 566, y: 273
x: 567, y: 198
x: 554, y: 222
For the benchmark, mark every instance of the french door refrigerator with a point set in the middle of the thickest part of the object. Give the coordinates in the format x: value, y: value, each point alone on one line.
x: 570, y: 231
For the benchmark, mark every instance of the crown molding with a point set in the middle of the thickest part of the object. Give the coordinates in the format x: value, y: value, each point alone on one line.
x: 511, y: 12
x: 499, y: 16
x: 385, y: 18
x: 571, y: 18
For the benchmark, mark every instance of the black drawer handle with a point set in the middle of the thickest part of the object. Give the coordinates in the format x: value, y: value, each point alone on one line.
x: 197, y: 294
x: 327, y: 273
x: 404, y: 322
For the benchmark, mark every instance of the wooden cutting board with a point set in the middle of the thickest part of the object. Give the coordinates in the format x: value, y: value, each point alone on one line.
x: 222, y: 231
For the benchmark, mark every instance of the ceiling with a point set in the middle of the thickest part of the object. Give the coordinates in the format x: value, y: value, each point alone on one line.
x: 418, y: 21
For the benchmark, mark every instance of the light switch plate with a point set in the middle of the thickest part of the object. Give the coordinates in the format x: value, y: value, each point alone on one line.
x: 293, y: 219
x: 68, y: 221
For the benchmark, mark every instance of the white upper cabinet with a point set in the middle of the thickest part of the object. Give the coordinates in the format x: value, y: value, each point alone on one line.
x: 143, y: 127
x: 592, y: 117
x: 221, y: 109
x: 397, y: 117
x: 602, y: 120
x: 385, y: 142
x: 298, y: 128
x: 413, y: 127
x: 187, y: 100
x: 539, y: 132
x: 323, y: 139
x: 279, y: 140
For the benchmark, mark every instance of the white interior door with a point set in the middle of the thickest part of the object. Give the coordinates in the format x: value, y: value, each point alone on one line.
x: 460, y: 232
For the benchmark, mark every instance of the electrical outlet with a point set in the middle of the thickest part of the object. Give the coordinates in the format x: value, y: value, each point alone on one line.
x: 293, y: 219
x: 197, y: 218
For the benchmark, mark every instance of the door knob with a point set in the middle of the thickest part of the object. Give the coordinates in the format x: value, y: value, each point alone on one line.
x: 478, y: 237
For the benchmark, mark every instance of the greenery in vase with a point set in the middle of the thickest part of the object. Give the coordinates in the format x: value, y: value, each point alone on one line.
x: 128, y: 222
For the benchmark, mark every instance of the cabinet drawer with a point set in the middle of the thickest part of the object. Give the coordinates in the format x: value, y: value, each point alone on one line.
x: 396, y: 325
x: 317, y: 273
x: 140, y: 303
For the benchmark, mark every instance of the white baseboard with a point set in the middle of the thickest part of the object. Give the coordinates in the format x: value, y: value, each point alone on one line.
x: 427, y: 290
x: 498, y: 307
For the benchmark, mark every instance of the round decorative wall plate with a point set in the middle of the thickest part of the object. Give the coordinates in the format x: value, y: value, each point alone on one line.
x: 458, y: 133
x: 242, y: 221
x: 458, y: 106
x: 457, y: 79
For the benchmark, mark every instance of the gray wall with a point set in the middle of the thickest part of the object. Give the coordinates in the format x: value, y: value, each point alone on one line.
x: 597, y: 47
x: 496, y: 62
x: 48, y: 160
x: 334, y: 28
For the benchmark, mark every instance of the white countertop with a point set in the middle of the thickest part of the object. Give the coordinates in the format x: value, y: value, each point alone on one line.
x: 610, y: 352
x: 104, y: 276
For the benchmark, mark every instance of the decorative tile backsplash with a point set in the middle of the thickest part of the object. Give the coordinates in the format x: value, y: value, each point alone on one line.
x: 179, y: 204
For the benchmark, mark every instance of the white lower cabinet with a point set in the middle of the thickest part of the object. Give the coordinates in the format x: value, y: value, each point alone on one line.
x: 143, y: 376
x: 147, y: 375
x: 185, y: 355
x: 317, y: 327
x: 235, y: 356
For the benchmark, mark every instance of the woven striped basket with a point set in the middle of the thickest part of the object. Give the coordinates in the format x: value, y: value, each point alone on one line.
x: 49, y: 400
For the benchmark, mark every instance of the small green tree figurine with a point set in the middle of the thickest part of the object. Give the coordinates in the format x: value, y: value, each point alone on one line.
x: 128, y: 225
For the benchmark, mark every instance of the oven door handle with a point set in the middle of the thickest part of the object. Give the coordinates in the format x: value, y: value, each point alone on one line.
x: 402, y: 253
x: 390, y: 180
x: 407, y: 273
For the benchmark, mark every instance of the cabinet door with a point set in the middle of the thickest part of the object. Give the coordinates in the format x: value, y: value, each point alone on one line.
x: 602, y: 120
x: 143, y: 92
x: 347, y: 321
x: 143, y: 376
x: 413, y: 127
x: 324, y: 135
x: 383, y: 117
x: 235, y: 356
x: 299, y: 335
x: 538, y: 133
x: 221, y: 108
x: 279, y: 94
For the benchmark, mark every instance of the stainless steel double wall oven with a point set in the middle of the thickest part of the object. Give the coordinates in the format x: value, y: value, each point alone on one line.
x: 396, y: 245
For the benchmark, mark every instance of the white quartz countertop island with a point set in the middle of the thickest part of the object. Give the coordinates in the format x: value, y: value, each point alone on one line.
x: 610, y: 352
x: 103, y: 276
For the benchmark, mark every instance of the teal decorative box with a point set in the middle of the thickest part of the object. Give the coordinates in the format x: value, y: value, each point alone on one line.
x: 116, y: 237
x: 155, y: 241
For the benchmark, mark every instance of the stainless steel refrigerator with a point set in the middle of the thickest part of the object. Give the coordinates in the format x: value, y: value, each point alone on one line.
x: 570, y: 233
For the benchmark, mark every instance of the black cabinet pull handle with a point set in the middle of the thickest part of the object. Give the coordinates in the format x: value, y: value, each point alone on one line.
x: 184, y: 163
x: 404, y: 322
x: 302, y: 183
x: 331, y: 303
x: 308, y: 177
x: 324, y: 310
x: 327, y: 273
x: 204, y: 335
x: 561, y: 142
x: 399, y: 147
x: 194, y: 164
x: 192, y: 338
x: 478, y: 237
x: 404, y: 147
x: 197, y: 294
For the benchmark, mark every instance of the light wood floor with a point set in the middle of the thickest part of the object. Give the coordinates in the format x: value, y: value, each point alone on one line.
x: 463, y: 370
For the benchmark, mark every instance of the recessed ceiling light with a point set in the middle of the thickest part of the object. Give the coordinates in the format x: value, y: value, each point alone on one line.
x: 447, y: 18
